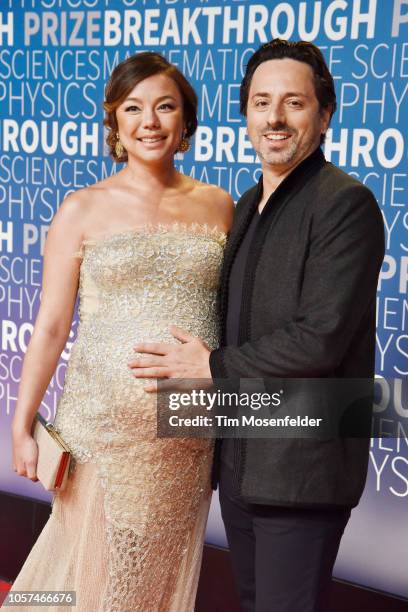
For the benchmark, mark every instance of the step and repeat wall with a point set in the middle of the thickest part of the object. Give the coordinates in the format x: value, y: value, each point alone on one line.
x: 55, y: 58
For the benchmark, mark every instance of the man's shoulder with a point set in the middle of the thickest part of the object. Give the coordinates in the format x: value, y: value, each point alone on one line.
x: 333, y: 189
x: 330, y: 182
x: 335, y: 180
x: 339, y: 199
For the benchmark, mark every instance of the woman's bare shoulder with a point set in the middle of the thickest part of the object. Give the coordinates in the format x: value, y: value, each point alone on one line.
x: 78, y: 209
x: 218, y: 203
x: 219, y: 194
x: 90, y: 201
x: 209, y: 192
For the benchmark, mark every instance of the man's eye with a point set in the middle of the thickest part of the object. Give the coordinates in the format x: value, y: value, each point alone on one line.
x: 260, y: 103
x: 295, y: 103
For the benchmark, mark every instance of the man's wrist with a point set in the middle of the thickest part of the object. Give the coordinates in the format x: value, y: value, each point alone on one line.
x: 216, y: 363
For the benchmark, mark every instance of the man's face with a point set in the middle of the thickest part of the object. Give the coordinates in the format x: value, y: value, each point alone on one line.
x: 283, y: 115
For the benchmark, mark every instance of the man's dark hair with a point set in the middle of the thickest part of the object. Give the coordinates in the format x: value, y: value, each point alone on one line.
x: 302, y: 52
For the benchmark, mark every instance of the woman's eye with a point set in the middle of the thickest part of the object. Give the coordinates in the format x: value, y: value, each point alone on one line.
x: 134, y: 108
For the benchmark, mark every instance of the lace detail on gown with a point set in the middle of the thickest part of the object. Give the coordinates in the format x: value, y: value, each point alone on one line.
x: 151, y: 495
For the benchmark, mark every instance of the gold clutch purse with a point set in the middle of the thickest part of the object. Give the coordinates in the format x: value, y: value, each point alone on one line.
x: 54, y: 455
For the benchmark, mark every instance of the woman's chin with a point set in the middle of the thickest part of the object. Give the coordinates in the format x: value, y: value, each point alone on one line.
x: 151, y: 156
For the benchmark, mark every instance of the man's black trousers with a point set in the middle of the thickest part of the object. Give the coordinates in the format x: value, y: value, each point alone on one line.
x: 282, y: 558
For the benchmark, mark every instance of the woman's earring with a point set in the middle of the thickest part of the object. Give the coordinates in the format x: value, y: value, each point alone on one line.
x: 184, y: 145
x: 119, y: 148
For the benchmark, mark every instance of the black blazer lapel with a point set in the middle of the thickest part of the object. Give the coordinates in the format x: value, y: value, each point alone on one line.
x: 243, y: 215
x: 245, y: 210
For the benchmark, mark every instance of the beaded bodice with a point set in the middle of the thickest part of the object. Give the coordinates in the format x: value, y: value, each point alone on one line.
x: 133, y: 286
x: 155, y: 274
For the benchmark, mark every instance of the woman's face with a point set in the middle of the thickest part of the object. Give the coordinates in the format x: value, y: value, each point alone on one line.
x: 150, y: 120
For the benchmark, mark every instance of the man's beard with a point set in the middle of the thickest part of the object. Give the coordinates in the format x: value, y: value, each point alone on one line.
x: 278, y: 157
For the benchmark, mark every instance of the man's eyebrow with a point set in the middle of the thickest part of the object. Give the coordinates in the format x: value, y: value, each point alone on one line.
x: 297, y: 94
x: 262, y: 94
x: 288, y: 94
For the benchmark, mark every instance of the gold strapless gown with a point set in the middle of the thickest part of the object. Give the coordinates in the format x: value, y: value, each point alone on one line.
x: 127, y: 533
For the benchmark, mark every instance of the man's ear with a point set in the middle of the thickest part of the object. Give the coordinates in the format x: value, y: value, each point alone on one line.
x: 325, y: 115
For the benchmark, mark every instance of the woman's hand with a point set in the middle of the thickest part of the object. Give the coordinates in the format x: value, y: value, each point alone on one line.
x: 25, y: 455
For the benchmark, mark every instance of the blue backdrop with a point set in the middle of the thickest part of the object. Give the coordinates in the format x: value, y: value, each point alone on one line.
x: 55, y: 58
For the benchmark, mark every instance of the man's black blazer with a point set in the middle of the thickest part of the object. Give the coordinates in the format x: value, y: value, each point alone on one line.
x: 307, y: 311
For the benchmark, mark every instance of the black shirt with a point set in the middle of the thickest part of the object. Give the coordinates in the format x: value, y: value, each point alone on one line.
x: 236, y: 281
x: 235, y: 287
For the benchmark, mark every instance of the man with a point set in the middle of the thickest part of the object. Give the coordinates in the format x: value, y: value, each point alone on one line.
x: 297, y: 300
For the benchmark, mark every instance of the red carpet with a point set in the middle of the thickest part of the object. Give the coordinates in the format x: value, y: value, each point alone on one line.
x: 4, y: 587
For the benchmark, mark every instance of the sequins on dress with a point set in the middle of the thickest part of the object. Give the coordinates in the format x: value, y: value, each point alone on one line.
x: 127, y: 533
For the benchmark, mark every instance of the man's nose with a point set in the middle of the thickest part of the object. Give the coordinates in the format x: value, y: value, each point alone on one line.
x: 276, y: 114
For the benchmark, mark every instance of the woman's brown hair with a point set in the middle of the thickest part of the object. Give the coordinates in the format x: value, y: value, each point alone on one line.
x: 127, y: 75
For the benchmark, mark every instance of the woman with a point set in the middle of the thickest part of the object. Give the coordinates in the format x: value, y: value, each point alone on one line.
x: 144, y: 247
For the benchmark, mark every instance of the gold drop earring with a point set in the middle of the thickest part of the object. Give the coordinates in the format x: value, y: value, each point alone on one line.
x: 119, y: 148
x: 184, y: 145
